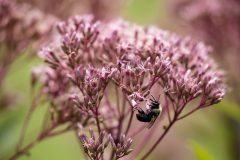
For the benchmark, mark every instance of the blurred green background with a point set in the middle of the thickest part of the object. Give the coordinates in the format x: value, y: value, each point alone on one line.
x: 210, y: 134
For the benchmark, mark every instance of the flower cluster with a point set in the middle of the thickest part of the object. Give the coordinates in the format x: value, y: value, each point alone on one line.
x: 92, y: 84
x: 122, y: 148
x: 216, y: 21
x: 94, y: 148
x: 21, y: 26
x: 101, y: 9
x: 104, y: 72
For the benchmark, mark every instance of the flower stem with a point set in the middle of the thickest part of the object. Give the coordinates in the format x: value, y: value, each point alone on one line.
x: 112, y: 155
x: 23, y: 151
x: 143, y: 143
x: 159, y: 140
x: 129, y: 123
x: 27, y: 119
x: 98, y: 124
x: 187, y: 114
x: 44, y: 135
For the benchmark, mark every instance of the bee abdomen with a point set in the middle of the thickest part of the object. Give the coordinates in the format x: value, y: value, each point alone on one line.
x: 143, y: 117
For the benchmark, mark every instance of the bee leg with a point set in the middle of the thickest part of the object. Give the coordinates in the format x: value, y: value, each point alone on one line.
x: 153, y: 98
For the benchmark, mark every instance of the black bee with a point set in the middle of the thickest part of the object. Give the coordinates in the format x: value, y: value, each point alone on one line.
x: 153, y: 111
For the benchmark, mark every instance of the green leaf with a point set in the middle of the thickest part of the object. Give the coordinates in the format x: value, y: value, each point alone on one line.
x: 230, y: 108
x: 200, y: 152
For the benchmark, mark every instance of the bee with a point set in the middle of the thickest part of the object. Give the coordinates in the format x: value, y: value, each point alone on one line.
x: 154, y: 109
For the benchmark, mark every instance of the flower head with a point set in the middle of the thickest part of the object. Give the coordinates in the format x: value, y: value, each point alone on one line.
x: 95, y: 57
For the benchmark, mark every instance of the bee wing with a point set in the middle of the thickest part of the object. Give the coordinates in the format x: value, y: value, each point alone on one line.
x: 150, y: 124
